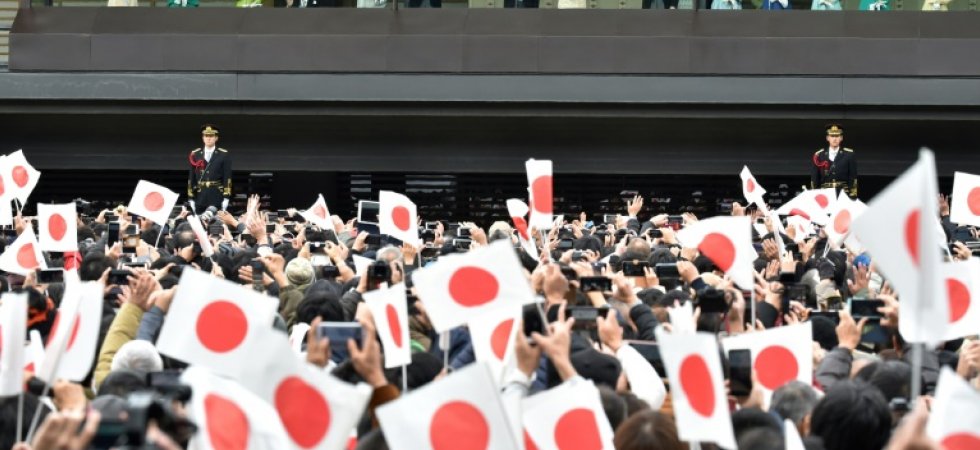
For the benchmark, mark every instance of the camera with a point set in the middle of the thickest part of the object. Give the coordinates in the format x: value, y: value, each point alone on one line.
x: 142, y: 408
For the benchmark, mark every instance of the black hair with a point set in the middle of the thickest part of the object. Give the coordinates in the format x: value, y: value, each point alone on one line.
x: 761, y: 439
x: 93, y: 265
x: 321, y: 303
x: 892, y: 378
x: 852, y: 415
x: 613, y: 405
x: 122, y: 382
x: 8, y: 416
x: 747, y: 419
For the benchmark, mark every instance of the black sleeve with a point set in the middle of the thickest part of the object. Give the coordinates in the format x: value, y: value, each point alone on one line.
x: 645, y: 321
x: 852, y: 175
x: 226, y: 176
x: 814, y: 173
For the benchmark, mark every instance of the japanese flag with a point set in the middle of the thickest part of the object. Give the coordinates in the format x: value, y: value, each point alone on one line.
x: 389, y: 307
x: 697, y: 387
x: 462, y: 287
x: 962, y: 282
x: 13, y: 329
x: 954, y: 420
x: 57, y: 227
x: 228, y: 416
x: 814, y: 205
x: 316, y: 409
x: 727, y: 242
x: 492, y: 337
x: 22, y: 175
x: 74, y: 336
x: 567, y: 416
x: 23, y: 255
x: 844, y: 212
x: 215, y: 323
x: 964, y: 206
x: 297, y: 335
x: 751, y: 189
x: 152, y: 201
x: 6, y: 193
x: 898, y: 229
x: 460, y: 411
x: 779, y: 355
x: 398, y: 217
x: 202, y: 237
x: 518, y: 214
x: 34, y: 353
x: 540, y: 187
x: 791, y: 436
x: 319, y: 214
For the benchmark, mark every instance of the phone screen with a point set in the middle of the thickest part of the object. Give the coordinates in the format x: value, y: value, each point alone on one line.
x: 338, y: 333
x: 866, y: 308
x: 112, y: 235
x: 740, y: 372
x: 634, y: 269
x: 367, y: 212
x: 595, y: 284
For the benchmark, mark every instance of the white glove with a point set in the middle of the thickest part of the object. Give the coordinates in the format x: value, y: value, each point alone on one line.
x: 224, y: 205
x: 193, y: 206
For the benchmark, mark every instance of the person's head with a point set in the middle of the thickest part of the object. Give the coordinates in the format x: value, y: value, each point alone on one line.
x: 852, y: 415
x: 555, y: 284
x: 299, y: 272
x: 764, y: 438
x: 209, y: 134
x: 748, y: 419
x: 321, y: 303
x: 892, y: 378
x: 613, y: 405
x: 93, y: 265
x: 835, y: 135
x: 122, y: 382
x: 648, y: 430
x: 138, y: 355
x: 795, y: 401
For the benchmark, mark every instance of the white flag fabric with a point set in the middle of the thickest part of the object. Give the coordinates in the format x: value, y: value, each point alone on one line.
x: 791, y: 436
x: 215, y: 323
x: 844, y: 212
x: 567, y: 416
x: 727, y: 242
x: 34, y: 354
x: 23, y: 255
x: 57, y: 227
x: 389, y: 307
x: 518, y: 215
x: 461, y: 287
x: 22, y: 175
x: 460, y: 411
x: 78, y: 353
x: 152, y: 201
x: 228, y: 416
x: 779, y: 355
x: 814, y: 205
x: 964, y: 206
x: 492, y: 336
x: 297, y: 335
x: 13, y: 329
x: 202, y: 236
x: 954, y: 419
x: 898, y: 230
x: 540, y: 189
x: 751, y: 190
x: 398, y: 217
x: 697, y: 387
x: 319, y: 214
x: 962, y: 281
x: 316, y: 409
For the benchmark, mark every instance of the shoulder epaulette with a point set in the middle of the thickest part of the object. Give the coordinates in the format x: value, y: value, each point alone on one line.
x: 848, y: 150
x: 818, y: 151
x: 195, y: 150
x: 222, y: 150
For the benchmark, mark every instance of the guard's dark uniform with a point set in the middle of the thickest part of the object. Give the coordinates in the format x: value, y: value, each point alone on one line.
x: 209, y: 182
x: 841, y: 173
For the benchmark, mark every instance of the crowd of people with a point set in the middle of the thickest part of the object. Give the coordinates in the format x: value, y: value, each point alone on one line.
x: 860, y: 397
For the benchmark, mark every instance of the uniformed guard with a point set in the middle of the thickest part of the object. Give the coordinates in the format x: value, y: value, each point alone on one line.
x: 209, y: 182
x: 835, y: 166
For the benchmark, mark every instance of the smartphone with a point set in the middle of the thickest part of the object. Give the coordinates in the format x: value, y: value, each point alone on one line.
x: 428, y: 236
x: 650, y: 352
x: 320, y: 260
x: 430, y: 251
x: 130, y: 242
x: 328, y: 272
x: 109, y: 433
x: 866, y: 308
x: 119, y: 277
x: 379, y: 272
x: 675, y: 222
x: 110, y: 217
x: 635, y: 268
x: 112, y: 234
x: 330, y: 236
x: 373, y: 239
x: 133, y: 265
x: 318, y: 247
x: 740, y: 372
x: 215, y: 228
x: 463, y: 232
x: 168, y: 377
x: 338, y: 333
x: 461, y: 244
x: 832, y: 315
x: 367, y: 212
x: 585, y: 316
x: 565, y: 244
x: 595, y: 284
x: 711, y: 300
x: 431, y: 225
x: 50, y: 276
x: 666, y: 271
x: 533, y: 322
x: 609, y: 218
x: 269, y: 228
x: 569, y: 273
x: 257, y: 270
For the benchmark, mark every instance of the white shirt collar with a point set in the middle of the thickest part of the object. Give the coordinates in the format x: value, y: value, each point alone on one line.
x: 209, y: 150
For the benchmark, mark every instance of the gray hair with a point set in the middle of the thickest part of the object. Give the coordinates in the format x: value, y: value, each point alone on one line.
x: 794, y: 400
x: 138, y: 355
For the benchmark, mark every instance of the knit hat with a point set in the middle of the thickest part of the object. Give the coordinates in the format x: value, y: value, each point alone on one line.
x: 299, y: 271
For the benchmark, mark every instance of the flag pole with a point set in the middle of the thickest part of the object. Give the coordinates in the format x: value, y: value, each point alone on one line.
x: 37, y: 410
x: 752, y: 299
x: 404, y: 378
x: 916, y: 385
x: 20, y: 414
x: 444, y: 338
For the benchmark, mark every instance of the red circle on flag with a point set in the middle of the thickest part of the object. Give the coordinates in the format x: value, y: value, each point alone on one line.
x: 799, y: 212
x: 822, y: 200
x: 912, y: 235
x: 320, y: 211
x: 2, y: 187
x: 541, y: 190
x: 221, y: 326
x: 57, y: 226
x: 528, y: 443
x: 458, y: 425
x: 959, y: 299
x: 577, y: 429
x: 394, y: 325
x: 401, y: 218
x: 26, y: 257
x: 473, y: 286
x: 972, y: 201
x: 521, y: 226
x: 776, y: 366
x: 227, y: 424
x: 153, y: 201
x: 961, y: 441
x: 303, y: 411
x: 719, y: 249
x: 20, y: 176
x: 842, y: 223
x: 697, y: 385
x: 749, y: 185
x: 501, y: 337
x: 71, y: 337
